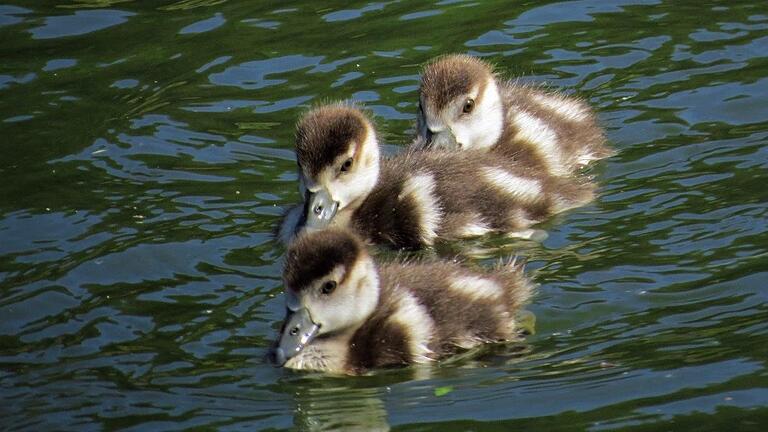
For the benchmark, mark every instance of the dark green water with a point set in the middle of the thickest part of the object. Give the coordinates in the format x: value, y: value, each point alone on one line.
x: 145, y: 152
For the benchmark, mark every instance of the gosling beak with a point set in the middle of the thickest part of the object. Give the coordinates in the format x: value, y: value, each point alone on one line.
x: 443, y: 140
x: 320, y: 210
x: 298, y: 331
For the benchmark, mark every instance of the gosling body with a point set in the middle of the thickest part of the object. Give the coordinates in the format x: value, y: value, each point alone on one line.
x: 415, y: 198
x: 464, y: 105
x: 361, y: 315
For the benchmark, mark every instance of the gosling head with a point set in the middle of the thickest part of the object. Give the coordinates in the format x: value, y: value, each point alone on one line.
x: 338, y: 157
x: 331, y: 287
x: 460, y: 105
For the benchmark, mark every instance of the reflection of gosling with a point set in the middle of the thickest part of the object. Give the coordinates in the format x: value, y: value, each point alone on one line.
x: 415, y: 198
x: 346, y: 314
x: 463, y: 105
x: 320, y: 408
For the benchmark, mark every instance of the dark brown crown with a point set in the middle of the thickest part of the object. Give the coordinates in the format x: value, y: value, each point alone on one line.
x: 452, y: 76
x: 315, y: 254
x: 325, y: 133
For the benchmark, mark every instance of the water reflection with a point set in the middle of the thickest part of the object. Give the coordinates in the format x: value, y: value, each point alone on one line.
x: 324, y: 408
x: 79, y: 23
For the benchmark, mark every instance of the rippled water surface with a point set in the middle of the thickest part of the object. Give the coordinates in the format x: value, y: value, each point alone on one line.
x: 145, y: 153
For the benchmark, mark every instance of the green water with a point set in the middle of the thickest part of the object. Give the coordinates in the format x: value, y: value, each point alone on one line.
x: 145, y: 153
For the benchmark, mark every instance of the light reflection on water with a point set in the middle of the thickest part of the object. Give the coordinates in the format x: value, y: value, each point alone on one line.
x: 147, y: 155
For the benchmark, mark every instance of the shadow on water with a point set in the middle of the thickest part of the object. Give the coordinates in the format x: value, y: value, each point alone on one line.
x: 147, y: 154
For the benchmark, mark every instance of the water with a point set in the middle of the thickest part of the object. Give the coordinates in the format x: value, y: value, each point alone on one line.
x: 146, y: 154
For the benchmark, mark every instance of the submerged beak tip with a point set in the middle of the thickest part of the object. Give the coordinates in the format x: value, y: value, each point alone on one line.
x: 299, y: 331
x: 278, y: 357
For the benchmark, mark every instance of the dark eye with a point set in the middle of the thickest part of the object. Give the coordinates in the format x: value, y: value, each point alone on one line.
x: 328, y: 287
x: 469, y: 105
x: 346, y: 165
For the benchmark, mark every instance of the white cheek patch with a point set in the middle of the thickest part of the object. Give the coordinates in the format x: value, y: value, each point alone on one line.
x: 482, y: 133
x: 483, y: 128
x: 418, y: 325
x: 352, y: 302
x: 462, y: 133
x: 353, y: 186
x: 564, y: 107
x: 489, y: 123
x: 333, y: 315
x: 346, y: 190
x: 543, y: 139
x: 477, y: 288
x: 421, y: 188
x: 331, y: 312
x: 525, y: 189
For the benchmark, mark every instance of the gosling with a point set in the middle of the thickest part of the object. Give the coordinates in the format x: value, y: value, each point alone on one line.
x: 463, y: 105
x: 415, y: 198
x: 346, y: 314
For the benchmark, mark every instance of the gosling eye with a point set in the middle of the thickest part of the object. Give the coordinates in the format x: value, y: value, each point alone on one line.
x: 346, y: 165
x: 469, y: 105
x: 328, y: 287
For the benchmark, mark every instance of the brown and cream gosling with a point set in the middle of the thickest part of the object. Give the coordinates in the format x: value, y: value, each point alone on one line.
x: 463, y: 104
x: 348, y: 314
x: 415, y: 198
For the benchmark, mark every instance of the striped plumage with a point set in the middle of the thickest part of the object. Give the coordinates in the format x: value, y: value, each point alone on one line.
x: 416, y: 198
x: 464, y: 105
x: 383, y: 315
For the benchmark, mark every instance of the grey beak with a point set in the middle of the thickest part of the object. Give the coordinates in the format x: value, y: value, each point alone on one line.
x: 443, y: 140
x: 321, y: 209
x: 298, y: 331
